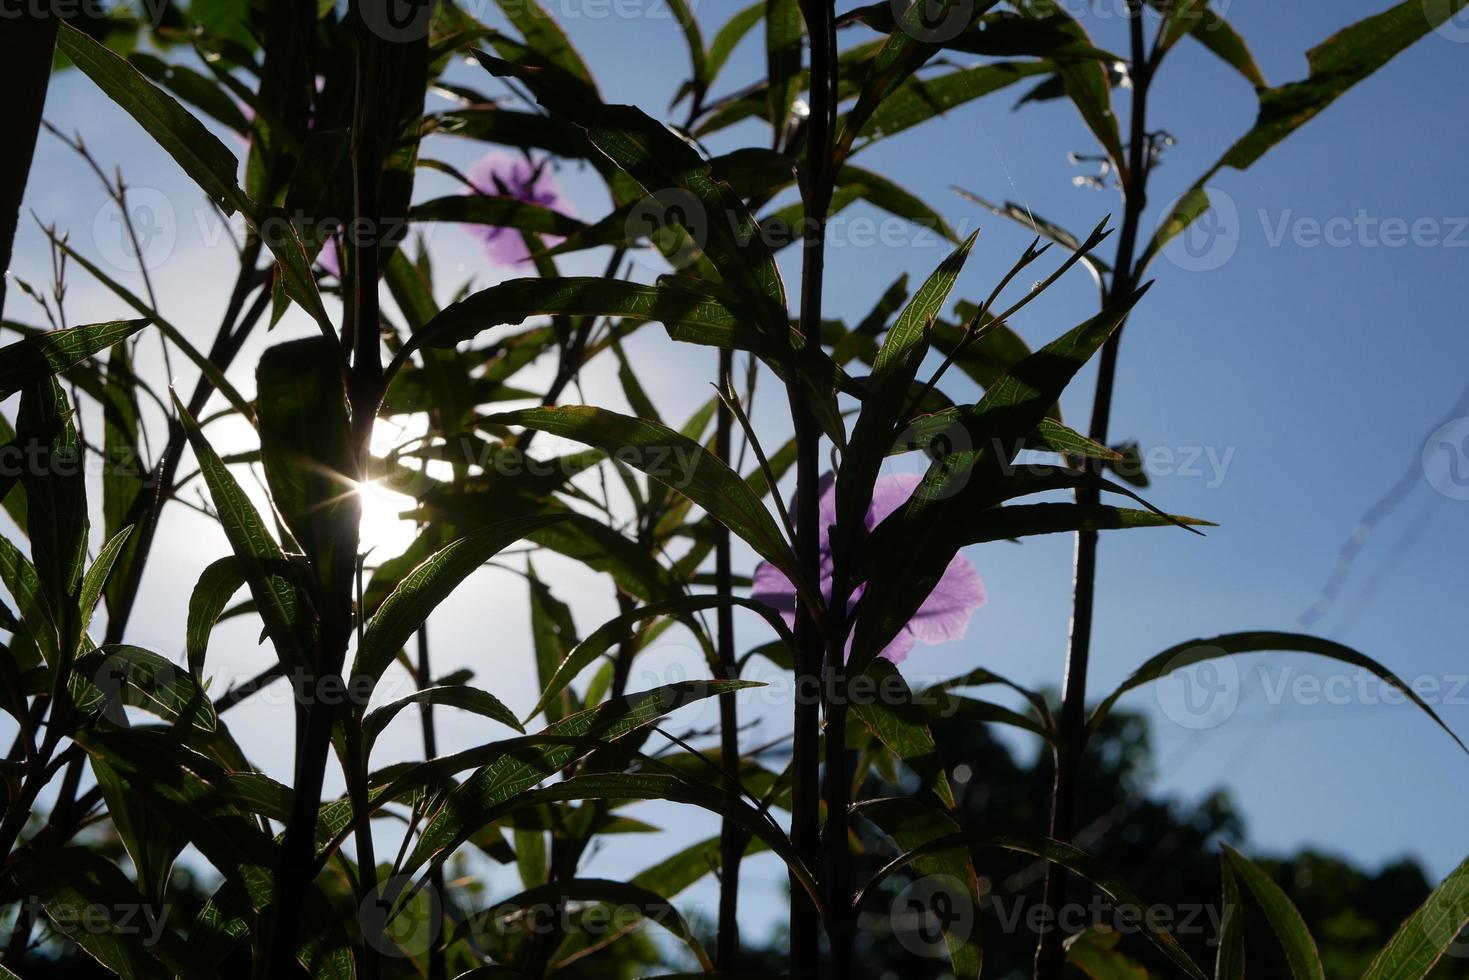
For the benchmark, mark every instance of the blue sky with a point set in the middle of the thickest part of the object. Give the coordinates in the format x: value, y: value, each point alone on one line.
x: 1282, y: 391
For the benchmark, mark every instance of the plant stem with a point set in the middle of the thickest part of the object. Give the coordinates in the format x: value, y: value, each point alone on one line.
x: 810, y: 650
x: 1071, y: 725
x: 25, y: 73
x: 364, y: 394
x: 148, y: 508
x: 438, y: 968
x: 732, y: 839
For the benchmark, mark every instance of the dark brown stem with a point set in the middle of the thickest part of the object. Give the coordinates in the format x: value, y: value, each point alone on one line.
x: 438, y: 968
x: 25, y: 72
x: 732, y: 838
x: 1071, y: 724
x: 148, y: 508
x: 810, y: 650
x: 364, y: 393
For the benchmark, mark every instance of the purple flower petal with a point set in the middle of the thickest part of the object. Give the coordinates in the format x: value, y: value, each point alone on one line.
x: 771, y: 587
x: 499, y: 174
x: 944, y: 615
x: 328, y: 258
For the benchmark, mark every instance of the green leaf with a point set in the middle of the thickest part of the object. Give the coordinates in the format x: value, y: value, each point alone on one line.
x: 56, y: 504
x: 1200, y: 650
x: 266, y: 570
x: 428, y: 585
x: 461, y: 696
x: 480, y: 799
x: 728, y: 38
x: 546, y: 38
x: 124, y: 464
x: 1336, y: 65
x: 912, y: 823
x: 118, y: 675
x: 498, y: 212
x: 783, y: 34
x: 1290, y: 928
x: 196, y: 88
x: 660, y: 161
x: 918, y: 100
x: 553, y: 634
x: 1094, y: 952
x: 611, y: 632
x: 24, y: 586
x: 1199, y: 20
x: 151, y: 842
x: 1420, y: 942
x: 919, y: 540
x: 207, y: 161
x: 87, y: 897
x: 590, y: 891
x: 881, y: 192
x: 1229, y: 961
x: 900, y: 724
x: 306, y: 447
x: 1086, y: 83
x: 888, y: 393
x: 685, y: 868
x: 216, y: 586
x: 693, y: 37
x: 44, y: 355
x: 514, y: 300
x: 674, y: 460
x: 95, y: 580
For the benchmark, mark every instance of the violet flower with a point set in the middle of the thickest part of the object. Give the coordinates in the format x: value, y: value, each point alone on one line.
x: 944, y: 615
x: 501, y: 174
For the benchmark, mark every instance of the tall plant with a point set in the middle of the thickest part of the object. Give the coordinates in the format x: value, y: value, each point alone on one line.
x: 852, y: 569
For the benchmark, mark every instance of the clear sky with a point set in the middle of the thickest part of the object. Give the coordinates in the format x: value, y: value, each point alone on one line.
x: 1283, y: 382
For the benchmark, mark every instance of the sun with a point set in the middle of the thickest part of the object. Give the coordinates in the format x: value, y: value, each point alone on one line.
x: 384, y: 533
